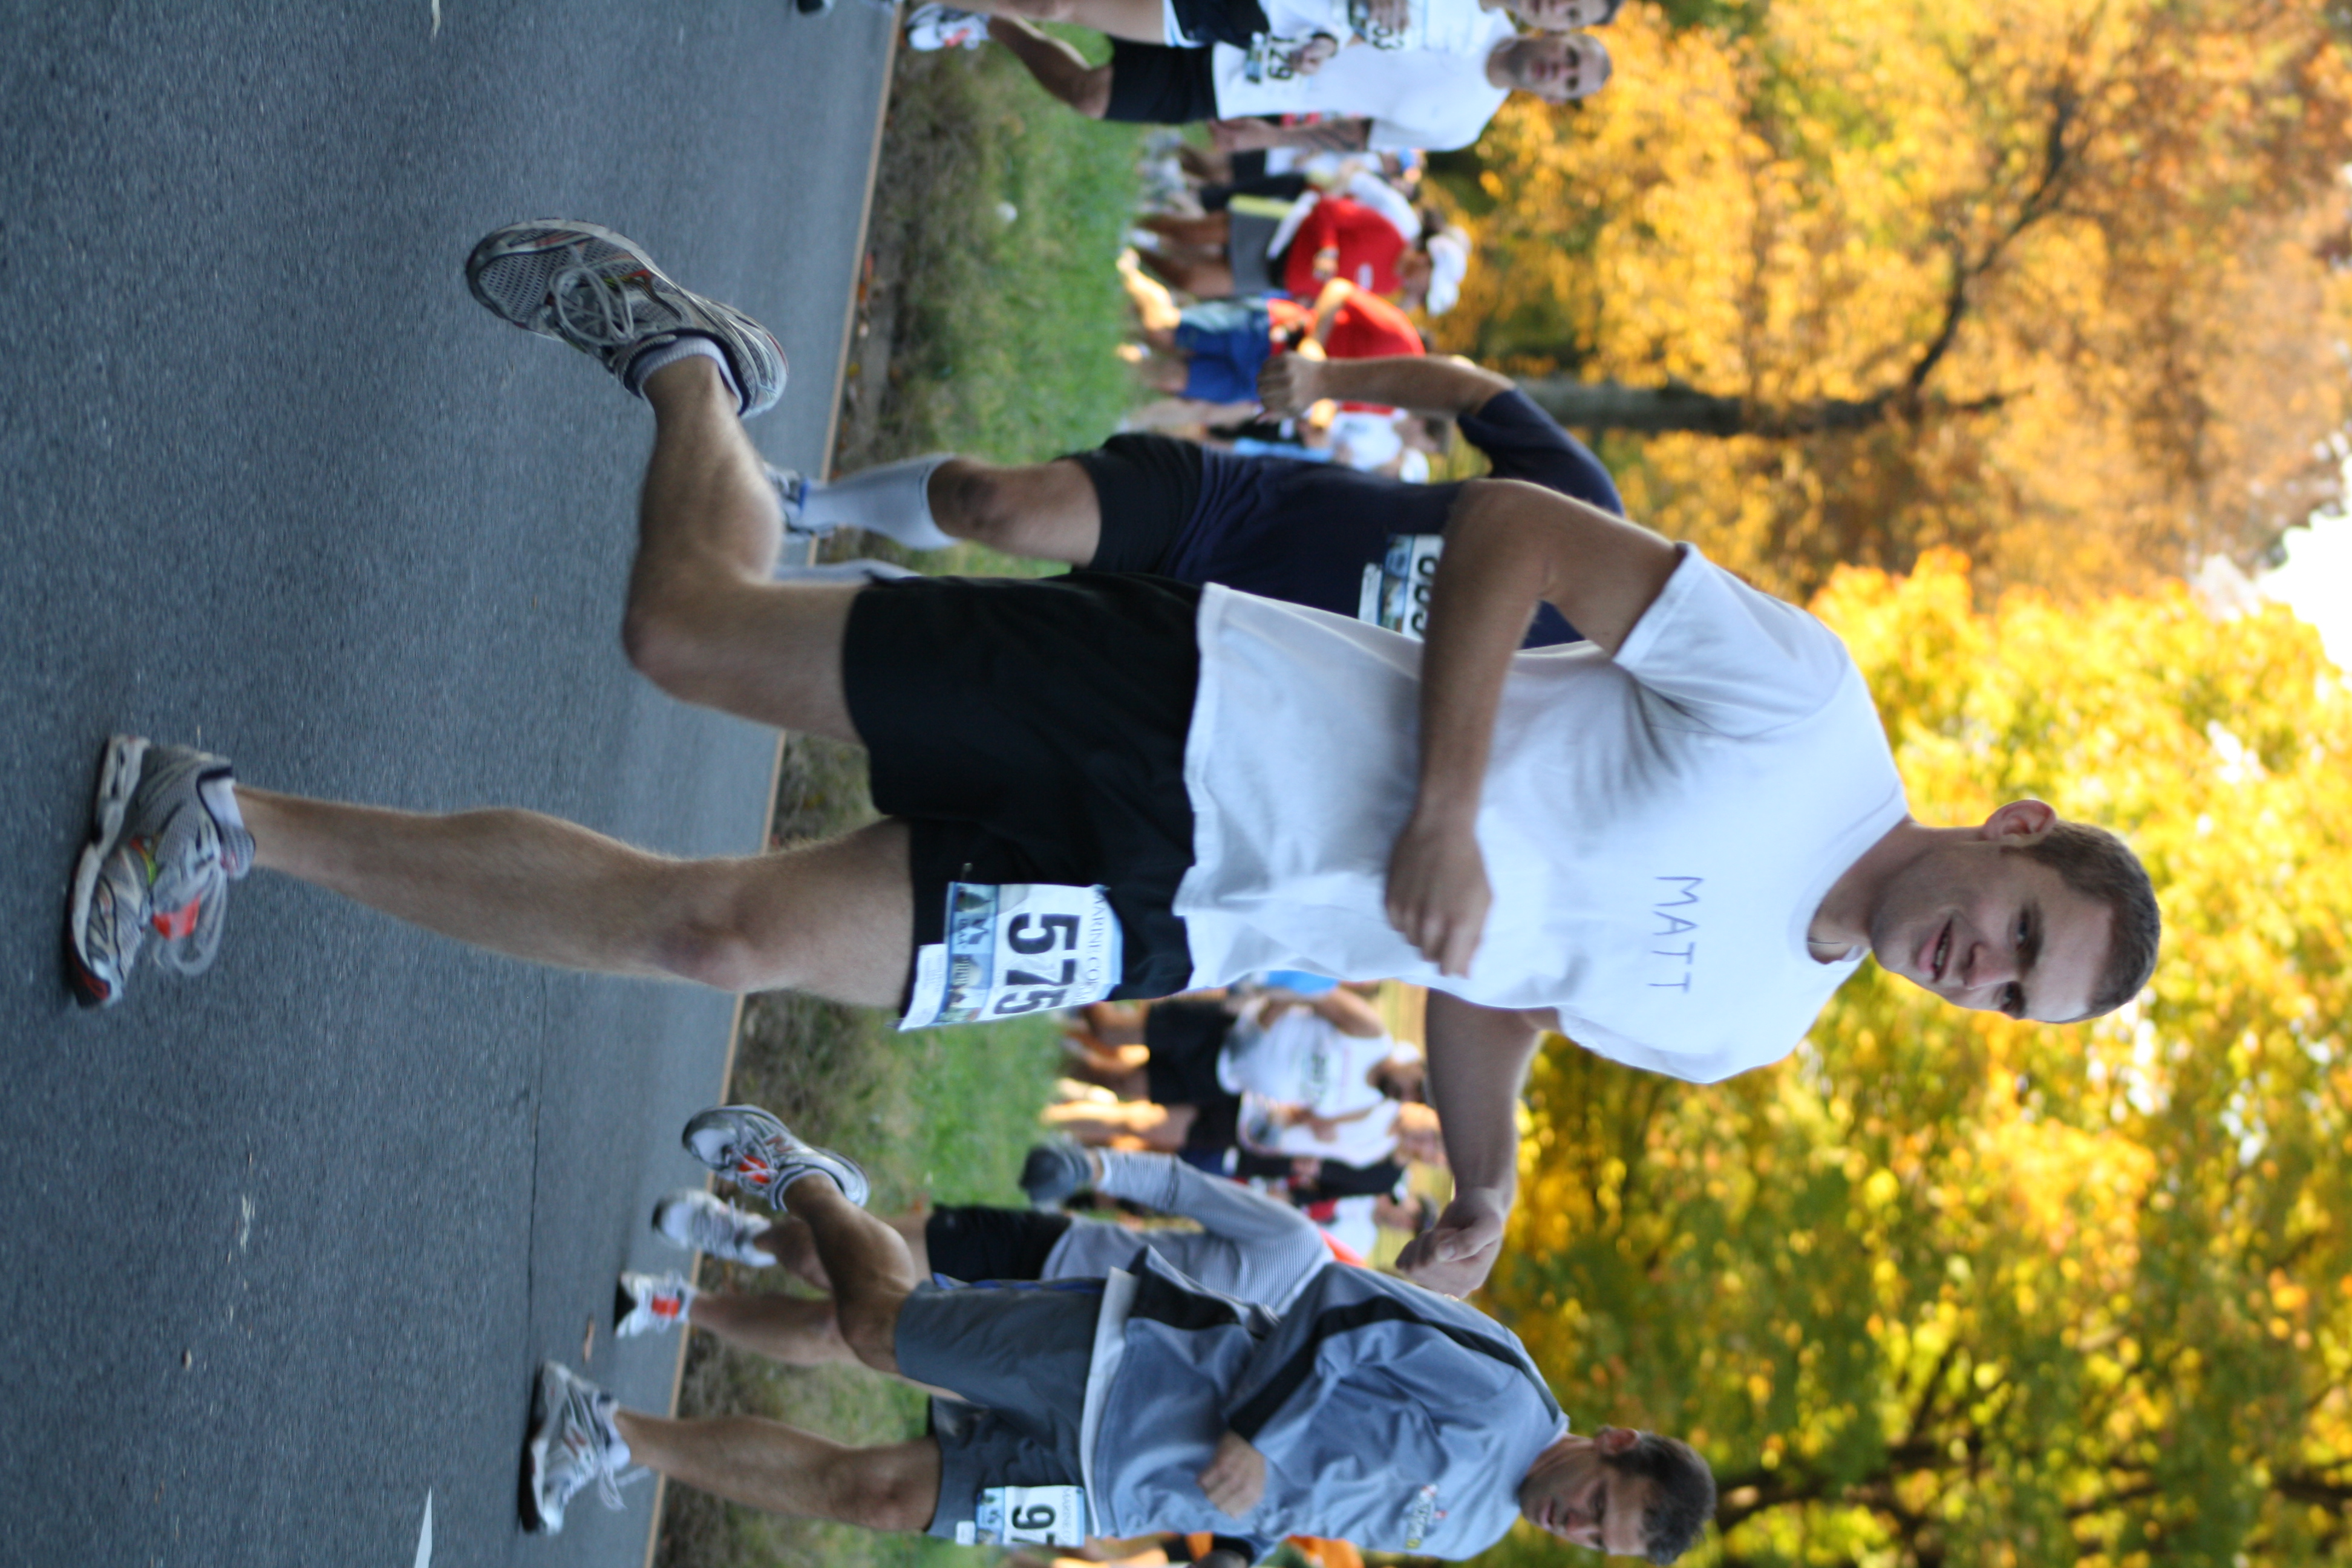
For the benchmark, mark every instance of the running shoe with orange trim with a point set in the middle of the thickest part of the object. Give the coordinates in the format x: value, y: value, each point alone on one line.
x: 760, y: 1154
x: 572, y: 1443
x: 165, y: 842
x: 650, y: 1304
x: 597, y: 291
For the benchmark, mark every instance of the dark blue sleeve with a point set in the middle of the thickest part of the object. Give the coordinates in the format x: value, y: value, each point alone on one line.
x: 1523, y: 442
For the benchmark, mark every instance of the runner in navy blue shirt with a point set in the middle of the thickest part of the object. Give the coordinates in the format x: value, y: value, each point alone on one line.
x: 1311, y: 533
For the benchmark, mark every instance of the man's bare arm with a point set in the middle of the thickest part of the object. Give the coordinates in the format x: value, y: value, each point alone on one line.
x: 1477, y: 1059
x: 1509, y: 546
x: 1328, y: 136
x: 1349, y: 1013
x: 1424, y: 383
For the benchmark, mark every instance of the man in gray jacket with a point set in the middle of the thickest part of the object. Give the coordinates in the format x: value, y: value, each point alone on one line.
x: 1373, y: 1411
x: 1249, y: 1247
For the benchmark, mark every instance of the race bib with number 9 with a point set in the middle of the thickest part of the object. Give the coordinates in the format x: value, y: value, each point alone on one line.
x: 1026, y: 1516
x: 1018, y: 948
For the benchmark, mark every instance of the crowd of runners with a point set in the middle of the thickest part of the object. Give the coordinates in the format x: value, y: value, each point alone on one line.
x: 1290, y: 726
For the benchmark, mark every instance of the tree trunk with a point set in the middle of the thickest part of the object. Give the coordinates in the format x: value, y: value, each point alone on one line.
x: 1612, y: 405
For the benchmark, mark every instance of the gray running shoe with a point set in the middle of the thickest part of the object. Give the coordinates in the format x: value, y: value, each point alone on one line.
x: 758, y: 1154
x: 594, y: 289
x: 1054, y: 1170
x: 650, y: 1304
x: 165, y: 842
x: 572, y: 1442
x: 701, y: 1223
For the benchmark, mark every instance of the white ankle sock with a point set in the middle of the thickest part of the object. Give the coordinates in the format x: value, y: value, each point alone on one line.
x: 686, y: 345
x: 893, y: 501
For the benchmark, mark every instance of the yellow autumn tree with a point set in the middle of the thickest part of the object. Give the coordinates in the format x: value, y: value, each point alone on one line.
x: 1837, y: 280
x: 1943, y: 1289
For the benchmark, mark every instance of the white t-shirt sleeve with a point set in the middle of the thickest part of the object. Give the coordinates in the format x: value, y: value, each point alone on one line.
x: 1728, y: 658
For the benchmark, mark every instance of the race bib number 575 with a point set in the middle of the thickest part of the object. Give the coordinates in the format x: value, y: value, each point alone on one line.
x: 1021, y: 947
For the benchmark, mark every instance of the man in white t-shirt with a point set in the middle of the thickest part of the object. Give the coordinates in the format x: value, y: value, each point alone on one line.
x: 1389, y: 99
x: 1671, y: 842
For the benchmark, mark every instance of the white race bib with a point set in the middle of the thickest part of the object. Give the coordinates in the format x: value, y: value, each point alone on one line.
x: 1026, y: 1516
x: 1396, y: 589
x: 1023, y: 947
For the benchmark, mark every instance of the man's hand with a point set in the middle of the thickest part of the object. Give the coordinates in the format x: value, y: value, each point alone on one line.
x: 1456, y: 1255
x: 1235, y: 1479
x: 1290, y: 383
x: 1438, y: 895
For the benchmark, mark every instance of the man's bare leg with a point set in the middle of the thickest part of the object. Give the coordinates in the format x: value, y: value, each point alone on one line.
x: 1207, y: 231
x: 704, y: 620
x: 798, y: 1330
x: 1060, y: 69
x: 793, y: 1246
x: 1048, y: 511
x: 768, y: 1465
x: 866, y: 1261
x: 1137, y: 21
x: 836, y: 919
x: 1160, y: 1128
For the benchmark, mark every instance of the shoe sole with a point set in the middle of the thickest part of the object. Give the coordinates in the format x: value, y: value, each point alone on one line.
x: 118, y: 780
x: 534, y: 1460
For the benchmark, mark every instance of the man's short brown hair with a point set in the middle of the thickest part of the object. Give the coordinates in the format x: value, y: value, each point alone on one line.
x: 2098, y: 865
x: 1682, y: 1492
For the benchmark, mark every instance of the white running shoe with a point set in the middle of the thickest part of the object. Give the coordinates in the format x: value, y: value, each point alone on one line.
x: 165, y: 842
x: 791, y: 494
x: 701, y: 1223
x: 650, y: 1304
x: 758, y: 1154
x: 600, y: 292
x: 572, y: 1442
x: 936, y: 26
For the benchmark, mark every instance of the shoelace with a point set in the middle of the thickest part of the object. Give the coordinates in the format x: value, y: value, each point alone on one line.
x: 585, y: 1435
x: 592, y: 309
x: 719, y: 1230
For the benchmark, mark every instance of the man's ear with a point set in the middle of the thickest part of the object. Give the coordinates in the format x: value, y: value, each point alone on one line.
x: 2018, y: 823
x: 1616, y: 1439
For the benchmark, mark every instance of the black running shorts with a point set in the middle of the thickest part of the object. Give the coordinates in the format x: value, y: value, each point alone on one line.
x: 1033, y: 732
x: 1153, y: 84
x: 1234, y: 22
x: 1147, y: 488
x: 972, y: 1242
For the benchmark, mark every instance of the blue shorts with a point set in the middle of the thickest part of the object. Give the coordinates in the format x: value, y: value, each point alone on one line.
x: 1228, y: 343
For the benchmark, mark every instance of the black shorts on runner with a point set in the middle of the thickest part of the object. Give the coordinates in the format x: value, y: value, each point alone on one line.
x: 1147, y: 489
x: 973, y: 1242
x: 1020, y: 1354
x: 1304, y: 532
x: 1033, y: 732
x: 1185, y: 1039
x: 1153, y: 84
x: 1234, y: 22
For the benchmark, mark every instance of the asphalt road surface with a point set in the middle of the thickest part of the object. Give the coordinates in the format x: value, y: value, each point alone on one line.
x: 284, y: 1244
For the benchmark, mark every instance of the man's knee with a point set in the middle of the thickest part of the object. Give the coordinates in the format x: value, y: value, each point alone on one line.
x: 891, y: 1491
x: 868, y: 1324
x: 664, y: 643
x: 710, y: 935
x: 999, y: 507
x: 1091, y: 92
